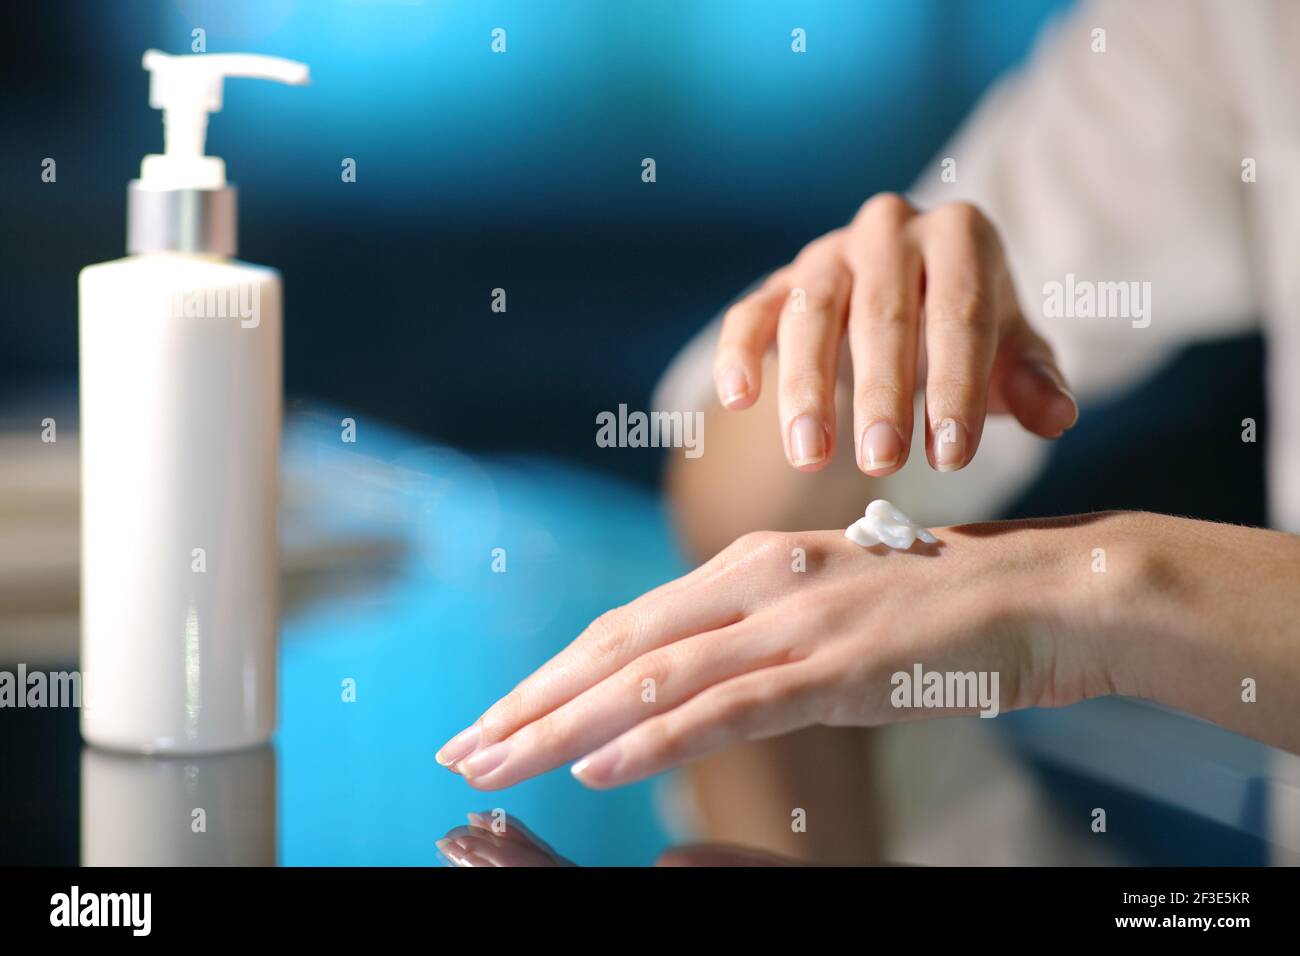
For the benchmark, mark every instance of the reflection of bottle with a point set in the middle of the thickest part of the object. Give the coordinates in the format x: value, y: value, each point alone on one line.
x: 213, y: 810
x: 180, y: 432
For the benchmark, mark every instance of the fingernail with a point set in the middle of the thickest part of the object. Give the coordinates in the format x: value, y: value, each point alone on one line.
x: 1074, y: 409
x: 459, y: 747
x: 807, y: 440
x: 733, y: 386
x: 881, y: 446
x: 598, y: 768
x: 485, y: 761
x: 1065, y: 409
x: 950, y: 442
x: 452, y: 850
x: 461, y: 855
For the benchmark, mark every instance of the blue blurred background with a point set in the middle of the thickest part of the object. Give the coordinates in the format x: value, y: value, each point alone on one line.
x: 478, y: 170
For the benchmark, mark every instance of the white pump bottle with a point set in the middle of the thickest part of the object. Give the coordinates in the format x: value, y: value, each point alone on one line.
x: 180, y: 434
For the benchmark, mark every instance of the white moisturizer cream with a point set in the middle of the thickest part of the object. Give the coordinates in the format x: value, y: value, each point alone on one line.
x: 885, y: 524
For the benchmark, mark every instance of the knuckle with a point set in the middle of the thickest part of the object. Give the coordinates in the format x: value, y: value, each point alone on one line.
x: 657, y: 666
x: 885, y: 210
x: 885, y: 307
x: 964, y: 217
x: 801, y: 385
x: 819, y: 298
x: 737, y: 313
x: 607, y: 633
x: 776, y: 281
x: 823, y: 247
x: 752, y: 541
x: 761, y: 543
x: 968, y: 310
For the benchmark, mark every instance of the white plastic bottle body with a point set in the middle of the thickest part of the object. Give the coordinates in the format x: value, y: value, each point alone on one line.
x: 180, y: 435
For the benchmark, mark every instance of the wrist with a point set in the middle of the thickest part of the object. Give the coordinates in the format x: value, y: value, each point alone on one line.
x: 1102, y: 602
x: 1124, y: 597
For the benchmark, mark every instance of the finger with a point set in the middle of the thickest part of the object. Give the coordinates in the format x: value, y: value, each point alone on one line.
x: 454, y: 850
x: 507, y: 827
x: 516, y: 830
x: 652, y: 684
x: 883, y: 331
x: 961, y: 331
x: 1028, y: 383
x: 760, y: 704
x: 468, y: 846
x: 808, y: 345
x: 748, y: 329
x: 688, y: 605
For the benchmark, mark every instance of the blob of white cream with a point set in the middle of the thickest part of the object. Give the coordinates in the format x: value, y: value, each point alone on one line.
x: 885, y: 524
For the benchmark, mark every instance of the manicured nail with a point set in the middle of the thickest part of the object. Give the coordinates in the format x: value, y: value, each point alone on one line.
x: 733, y: 386
x: 807, y: 440
x: 881, y: 446
x: 459, y: 747
x: 598, y: 768
x: 1068, y: 408
x: 453, y: 851
x: 950, y: 442
x: 484, y: 761
x: 461, y: 855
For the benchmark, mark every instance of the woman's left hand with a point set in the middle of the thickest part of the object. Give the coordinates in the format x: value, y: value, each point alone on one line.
x: 784, y: 630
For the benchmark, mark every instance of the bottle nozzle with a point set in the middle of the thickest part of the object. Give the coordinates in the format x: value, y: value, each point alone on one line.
x: 188, y: 88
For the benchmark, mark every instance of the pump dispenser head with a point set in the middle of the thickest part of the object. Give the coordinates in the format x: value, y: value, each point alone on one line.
x: 181, y: 201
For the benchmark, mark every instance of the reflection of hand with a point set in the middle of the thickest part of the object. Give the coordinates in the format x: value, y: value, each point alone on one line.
x: 745, y: 647
x: 871, y: 283
x: 479, y: 844
x: 503, y: 841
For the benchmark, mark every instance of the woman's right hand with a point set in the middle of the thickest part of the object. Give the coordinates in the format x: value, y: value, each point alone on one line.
x: 922, y: 297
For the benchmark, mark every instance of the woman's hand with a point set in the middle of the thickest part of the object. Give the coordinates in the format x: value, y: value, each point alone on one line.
x: 781, y: 631
x: 877, y: 277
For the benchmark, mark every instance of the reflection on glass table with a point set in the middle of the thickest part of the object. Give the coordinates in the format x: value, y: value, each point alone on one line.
x: 213, y: 810
x: 495, y: 839
x: 419, y: 584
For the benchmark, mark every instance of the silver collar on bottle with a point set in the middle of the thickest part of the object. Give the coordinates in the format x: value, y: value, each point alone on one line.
x: 180, y: 220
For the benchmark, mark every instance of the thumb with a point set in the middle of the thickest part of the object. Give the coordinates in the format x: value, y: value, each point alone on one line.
x: 1029, y: 384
